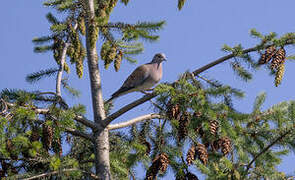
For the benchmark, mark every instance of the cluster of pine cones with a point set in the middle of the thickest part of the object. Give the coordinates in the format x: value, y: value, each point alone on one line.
x: 277, y: 58
x: 160, y: 163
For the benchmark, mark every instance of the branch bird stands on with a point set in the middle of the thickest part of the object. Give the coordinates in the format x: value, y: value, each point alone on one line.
x: 142, y: 78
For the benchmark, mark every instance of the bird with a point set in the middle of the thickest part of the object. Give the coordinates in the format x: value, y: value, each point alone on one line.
x: 142, y: 78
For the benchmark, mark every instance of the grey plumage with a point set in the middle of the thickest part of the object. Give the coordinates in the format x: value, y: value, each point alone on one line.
x: 142, y: 78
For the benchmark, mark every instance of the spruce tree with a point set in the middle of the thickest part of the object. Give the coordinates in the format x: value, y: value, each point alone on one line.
x: 198, y: 126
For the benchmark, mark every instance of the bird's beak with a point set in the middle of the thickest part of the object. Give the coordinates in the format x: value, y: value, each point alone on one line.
x: 164, y: 59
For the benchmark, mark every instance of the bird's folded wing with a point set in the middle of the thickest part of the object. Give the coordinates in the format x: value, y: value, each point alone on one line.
x: 138, y: 77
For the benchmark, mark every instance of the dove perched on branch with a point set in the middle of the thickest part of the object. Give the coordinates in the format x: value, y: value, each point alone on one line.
x: 142, y: 78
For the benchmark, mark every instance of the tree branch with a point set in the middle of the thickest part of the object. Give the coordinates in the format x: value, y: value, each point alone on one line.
x: 78, y: 118
x: 79, y: 133
x: 133, y: 121
x: 126, y: 108
x: 56, y: 172
x: 224, y: 58
x: 61, y: 66
x: 267, y: 148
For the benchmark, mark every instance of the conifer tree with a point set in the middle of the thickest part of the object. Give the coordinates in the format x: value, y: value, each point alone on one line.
x: 192, y: 111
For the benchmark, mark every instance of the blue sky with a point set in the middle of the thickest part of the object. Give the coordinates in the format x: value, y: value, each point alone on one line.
x: 191, y: 38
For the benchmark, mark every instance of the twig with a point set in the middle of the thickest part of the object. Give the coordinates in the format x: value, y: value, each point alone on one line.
x: 126, y: 108
x: 56, y: 172
x: 61, y: 65
x: 79, y: 133
x: 224, y: 58
x: 133, y: 121
x: 267, y: 148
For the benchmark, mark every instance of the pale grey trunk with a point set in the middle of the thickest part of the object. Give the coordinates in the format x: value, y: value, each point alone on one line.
x: 101, y: 138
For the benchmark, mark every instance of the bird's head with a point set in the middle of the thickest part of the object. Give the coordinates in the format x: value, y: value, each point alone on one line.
x: 159, y: 57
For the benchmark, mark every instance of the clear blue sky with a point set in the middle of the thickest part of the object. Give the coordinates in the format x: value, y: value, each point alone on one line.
x: 192, y: 38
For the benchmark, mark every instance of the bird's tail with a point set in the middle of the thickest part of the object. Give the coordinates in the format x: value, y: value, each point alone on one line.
x: 120, y: 92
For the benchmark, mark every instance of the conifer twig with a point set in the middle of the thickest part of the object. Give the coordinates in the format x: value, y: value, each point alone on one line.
x: 59, y: 171
x: 227, y: 57
x: 133, y: 121
x: 78, y: 118
x: 267, y: 148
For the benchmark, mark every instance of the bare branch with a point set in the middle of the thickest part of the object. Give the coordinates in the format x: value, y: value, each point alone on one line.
x: 63, y: 170
x: 79, y: 133
x: 133, y: 121
x: 126, y: 108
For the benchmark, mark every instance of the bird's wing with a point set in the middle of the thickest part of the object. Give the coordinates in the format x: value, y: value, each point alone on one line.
x: 135, y: 79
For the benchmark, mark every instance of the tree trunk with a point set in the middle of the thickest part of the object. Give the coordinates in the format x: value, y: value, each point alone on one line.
x: 101, y: 145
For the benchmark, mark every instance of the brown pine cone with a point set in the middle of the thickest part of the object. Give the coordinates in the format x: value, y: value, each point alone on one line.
x: 225, y: 145
x: 160, y: 163
x: 278, y: 59
x: 202, y: 153
x: 213, y: 127
x: 190, y: 156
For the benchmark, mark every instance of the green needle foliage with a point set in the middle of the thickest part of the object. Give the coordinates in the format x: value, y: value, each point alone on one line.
x: 199, y: 130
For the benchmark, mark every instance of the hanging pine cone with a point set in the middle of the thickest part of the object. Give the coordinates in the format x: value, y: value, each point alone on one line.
x: 213, y: 127
x: 57, y: 147
x: 118, y: 60
x: 279, y: 74
x: 202, y: 153
x: 79, y: 67
x: 278, y: 59
x: 199, y: 130
x: 191, y: 176
x: 191, y: 154
x: 10, y: 148
x: 183, y: 123
x: 47, y: 136
x: 173, y: 111
x: 160, y: 163
x: 225, y: 145
x: 269, y: 53
x: 216, y: 145
x: 147, y: 145
x: 35, y: 136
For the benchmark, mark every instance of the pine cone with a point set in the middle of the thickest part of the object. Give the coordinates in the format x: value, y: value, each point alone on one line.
x: 202, y: 153
x: 118, y: 60
x: 279, y: 74
x: 79, y: 67
x: 35, y: 136
x: 47, y: 136
x: 10, y: 148
x: 269, y: 53
x: 191, y: 154
x: 199, y: 130
x: 160, y: 163
x: 57, y: 147
x: 191, y: 176
x: 173, y: 111
x: 183, y: 123
x: 278, y: 59
x: 225, y: 145
x: 213, y: 127
x: 216, y: 145
x: 148, y: 146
